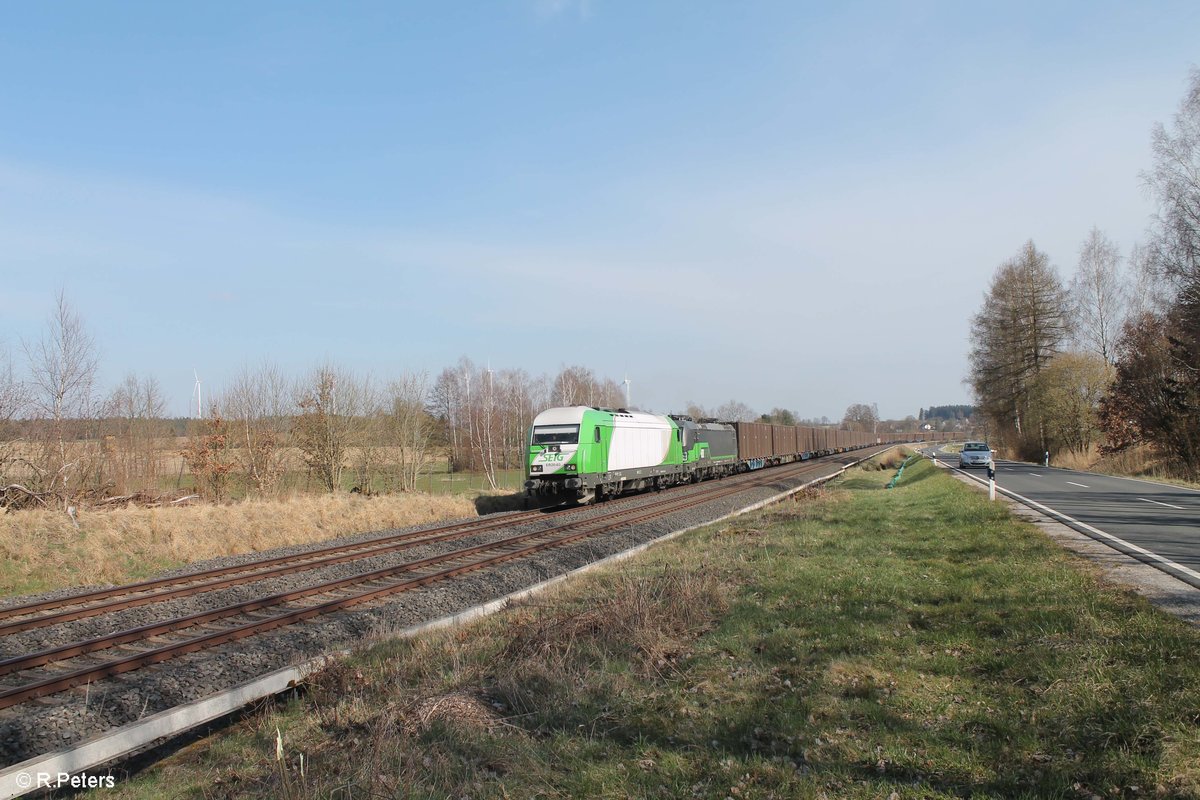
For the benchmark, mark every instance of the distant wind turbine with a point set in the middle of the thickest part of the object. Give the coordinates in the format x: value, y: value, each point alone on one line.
x: 626, y: 382
x: 199, y: 398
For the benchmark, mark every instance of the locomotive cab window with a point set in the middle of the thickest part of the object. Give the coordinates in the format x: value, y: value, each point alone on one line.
x: 597, y: 434
x: 556, y: 434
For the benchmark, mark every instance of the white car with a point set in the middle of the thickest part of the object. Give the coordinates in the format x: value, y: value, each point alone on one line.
x: 975, y: 454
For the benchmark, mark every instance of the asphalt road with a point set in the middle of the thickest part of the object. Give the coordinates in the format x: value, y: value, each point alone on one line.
x: 1155, y: 518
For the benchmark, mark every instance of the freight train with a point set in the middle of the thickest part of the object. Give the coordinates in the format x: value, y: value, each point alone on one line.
x: 584, y: 454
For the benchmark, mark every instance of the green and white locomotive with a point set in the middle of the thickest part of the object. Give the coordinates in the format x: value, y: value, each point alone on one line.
x: 584, y: 454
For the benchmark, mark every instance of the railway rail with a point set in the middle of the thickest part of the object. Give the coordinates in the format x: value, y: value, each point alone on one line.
x: 236, y: 621
x: 157, y: 590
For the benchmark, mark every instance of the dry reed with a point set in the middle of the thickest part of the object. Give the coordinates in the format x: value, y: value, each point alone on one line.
x: 42, y: 550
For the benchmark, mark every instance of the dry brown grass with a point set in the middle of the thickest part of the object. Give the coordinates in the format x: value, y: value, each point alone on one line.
x: 41, y: 550
x: 1138, y: 462
x: 887, y: 461
x: 453, y: 709
x: 1070, y: 459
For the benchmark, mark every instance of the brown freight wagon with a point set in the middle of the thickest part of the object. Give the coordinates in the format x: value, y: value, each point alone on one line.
x: 754, y: 440
x: 783, y: 440
x: 806, y: 439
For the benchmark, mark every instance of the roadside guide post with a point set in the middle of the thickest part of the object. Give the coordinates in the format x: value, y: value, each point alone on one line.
x: 1046, y: 463
x: 991, y: 480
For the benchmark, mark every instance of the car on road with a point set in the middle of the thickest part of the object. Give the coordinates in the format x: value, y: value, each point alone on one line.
x: 975, y: 454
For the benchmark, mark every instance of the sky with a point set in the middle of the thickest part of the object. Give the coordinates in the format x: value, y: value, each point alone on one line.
x: 790, y: 204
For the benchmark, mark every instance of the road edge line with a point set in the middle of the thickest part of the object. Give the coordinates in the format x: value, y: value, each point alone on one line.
x: 1177, y: 571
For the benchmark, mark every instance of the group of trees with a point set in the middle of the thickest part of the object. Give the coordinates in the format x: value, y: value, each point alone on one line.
x: 958, y: 413
x: 62, y: 441
x: 485, y: 414
x: 1113, y: 356
x: 1155, y: 396
x: 267, y: 433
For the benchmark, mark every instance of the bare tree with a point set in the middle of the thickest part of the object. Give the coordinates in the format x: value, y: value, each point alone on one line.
x: 609, y: 394
x: 62, y: 372
x: 521, y: 398
x: 334, y: 407
x: 573, y: 386
x: 735, y: 411
x: 1175, y: 183
x: 484, y: 434
x: 12, y: 403
x: 1147, y: 292
x: 258, y: 406
x: 861, y: 417
x: 579, y: 386
x: 1156, y: 395
x: 447, y: 404
x: 1098, y: 295
x: 133, y: 416
x: 493, y: 405
x: 409, y: 426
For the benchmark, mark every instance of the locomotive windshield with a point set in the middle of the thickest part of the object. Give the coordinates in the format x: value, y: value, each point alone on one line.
x: 556, y: 434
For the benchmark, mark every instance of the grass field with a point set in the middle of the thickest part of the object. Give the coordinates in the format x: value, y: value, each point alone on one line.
x: 911, y: 643
x: 435, y: 479
x: 42, y: 550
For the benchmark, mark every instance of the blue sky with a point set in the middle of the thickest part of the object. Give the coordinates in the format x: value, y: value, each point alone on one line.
x: 791, y: 204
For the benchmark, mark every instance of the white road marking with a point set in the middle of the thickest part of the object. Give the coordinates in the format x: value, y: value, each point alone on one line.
x: 1036, y: 474
x: 1168, y: 505
x: 1073, y: 483
x: 1152, y: 556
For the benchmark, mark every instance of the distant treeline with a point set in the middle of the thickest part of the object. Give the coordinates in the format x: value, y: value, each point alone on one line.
x: 947, y: 412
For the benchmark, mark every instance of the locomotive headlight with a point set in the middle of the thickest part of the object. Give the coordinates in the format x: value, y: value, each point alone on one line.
x: 535, y: 468
x: 569, y: 467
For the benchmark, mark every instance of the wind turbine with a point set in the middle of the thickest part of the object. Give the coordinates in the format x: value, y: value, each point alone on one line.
x: 626, y: 382
x: 199, y: 399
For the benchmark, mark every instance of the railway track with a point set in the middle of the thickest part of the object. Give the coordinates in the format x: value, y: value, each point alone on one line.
x: 91, y: 659
x: 59, y: 668
x: 131, y: 595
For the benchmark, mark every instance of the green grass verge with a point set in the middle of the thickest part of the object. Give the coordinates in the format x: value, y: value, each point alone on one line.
x: 917, y: 642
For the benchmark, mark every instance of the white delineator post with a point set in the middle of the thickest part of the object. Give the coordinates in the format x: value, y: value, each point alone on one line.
x: 991, y: 481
